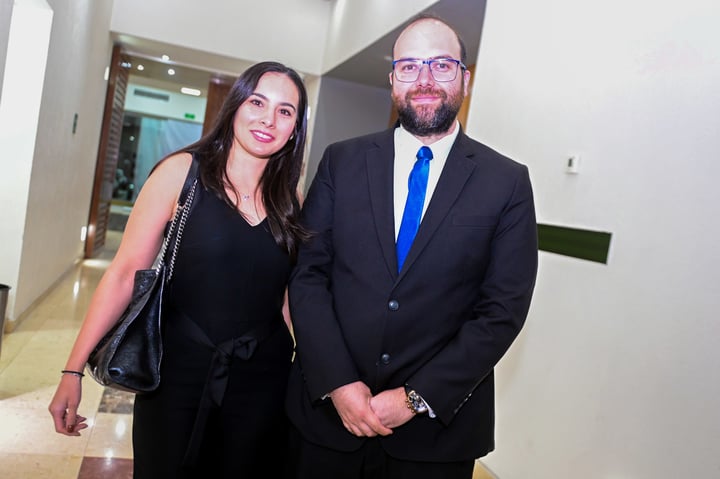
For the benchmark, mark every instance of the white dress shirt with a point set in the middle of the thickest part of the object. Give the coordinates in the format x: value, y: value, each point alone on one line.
x: 406, y: 148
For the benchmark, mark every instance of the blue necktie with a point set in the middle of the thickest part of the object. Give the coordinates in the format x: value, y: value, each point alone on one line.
x: 417, y: 185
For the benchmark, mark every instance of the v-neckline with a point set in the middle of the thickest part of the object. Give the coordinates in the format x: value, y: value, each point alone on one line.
x: 250, y: 224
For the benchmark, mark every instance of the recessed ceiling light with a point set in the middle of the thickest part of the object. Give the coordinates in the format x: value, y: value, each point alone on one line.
x: 165, y: 58
x: 190, y: 91
x: 171, y: 71
x: 140, y: 67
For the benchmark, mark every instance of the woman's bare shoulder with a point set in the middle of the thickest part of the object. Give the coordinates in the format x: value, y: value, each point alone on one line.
x: 174, y: 166
x: 166, y: 180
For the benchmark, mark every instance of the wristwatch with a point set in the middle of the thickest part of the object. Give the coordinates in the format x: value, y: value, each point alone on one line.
x: 414, y: 401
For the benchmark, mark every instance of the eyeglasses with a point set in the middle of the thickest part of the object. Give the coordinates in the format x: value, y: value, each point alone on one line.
x: 442, y: 69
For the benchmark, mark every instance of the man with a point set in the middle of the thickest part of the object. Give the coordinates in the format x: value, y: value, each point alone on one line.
x: 395, y: 347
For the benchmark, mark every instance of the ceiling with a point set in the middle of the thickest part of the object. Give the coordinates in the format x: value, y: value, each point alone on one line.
x: 370, y: 67
x: 193, y: 68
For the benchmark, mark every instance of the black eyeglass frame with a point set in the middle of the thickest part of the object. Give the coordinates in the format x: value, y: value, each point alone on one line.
x: 428, y: 62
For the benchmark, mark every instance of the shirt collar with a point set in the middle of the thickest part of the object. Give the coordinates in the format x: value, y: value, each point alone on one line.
x: 440, y: 148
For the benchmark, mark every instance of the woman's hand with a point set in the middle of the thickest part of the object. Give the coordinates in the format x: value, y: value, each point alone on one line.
x: 64, y: 405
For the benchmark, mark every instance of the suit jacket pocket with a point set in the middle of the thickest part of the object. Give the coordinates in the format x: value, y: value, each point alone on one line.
x: 474, y: 221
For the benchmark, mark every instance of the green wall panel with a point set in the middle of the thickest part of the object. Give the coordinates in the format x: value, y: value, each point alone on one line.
x: 578, y: 243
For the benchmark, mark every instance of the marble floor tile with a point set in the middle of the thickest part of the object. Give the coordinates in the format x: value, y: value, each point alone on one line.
x: 31, y: 358
x: 38, y: 400
x: 481, y: 472
x: 12, y: 344
x: 40, y: 466
x: 114, y: 401
x: 105, y: 468
x: 27, y: 431
x: 110, y: 436
x: 38, y: 364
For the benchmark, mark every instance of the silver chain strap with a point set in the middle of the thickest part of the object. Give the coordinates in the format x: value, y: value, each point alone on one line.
x: 178, y: 221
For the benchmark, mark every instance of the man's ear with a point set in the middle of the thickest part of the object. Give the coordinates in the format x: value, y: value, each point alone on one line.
x: 390, y: 76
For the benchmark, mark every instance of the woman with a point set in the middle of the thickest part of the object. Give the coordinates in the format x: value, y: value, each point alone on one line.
x: 228, y: 291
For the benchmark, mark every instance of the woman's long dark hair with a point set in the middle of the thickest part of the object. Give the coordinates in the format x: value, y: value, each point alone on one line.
x: 279, y: 180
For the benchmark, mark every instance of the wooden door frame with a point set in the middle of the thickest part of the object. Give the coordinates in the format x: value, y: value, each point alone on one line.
x: 108, y: 152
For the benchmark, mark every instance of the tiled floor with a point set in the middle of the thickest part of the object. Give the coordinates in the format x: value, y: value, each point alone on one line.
x: 30, y: 361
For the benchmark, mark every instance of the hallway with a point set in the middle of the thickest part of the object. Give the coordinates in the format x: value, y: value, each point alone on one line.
x: 30, y: 363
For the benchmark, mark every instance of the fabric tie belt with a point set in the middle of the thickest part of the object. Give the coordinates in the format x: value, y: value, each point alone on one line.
x: 218, y: 374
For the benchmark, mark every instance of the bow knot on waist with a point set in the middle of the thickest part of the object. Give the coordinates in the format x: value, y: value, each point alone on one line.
x: 218, y: 374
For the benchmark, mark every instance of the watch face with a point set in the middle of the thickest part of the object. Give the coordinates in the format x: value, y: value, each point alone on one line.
x: 417, y: 402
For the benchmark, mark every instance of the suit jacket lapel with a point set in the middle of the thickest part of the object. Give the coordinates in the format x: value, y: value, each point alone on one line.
x: 380, y: 160
x: 458, y: 168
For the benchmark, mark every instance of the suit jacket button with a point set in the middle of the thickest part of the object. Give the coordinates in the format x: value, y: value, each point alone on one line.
x: 393, y: 305
x: 385, y: 358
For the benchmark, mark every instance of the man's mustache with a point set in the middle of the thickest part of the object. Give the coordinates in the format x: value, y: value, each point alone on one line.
x: 421, y: 91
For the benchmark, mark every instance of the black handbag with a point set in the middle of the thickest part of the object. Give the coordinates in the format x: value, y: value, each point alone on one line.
x: 128, y: 357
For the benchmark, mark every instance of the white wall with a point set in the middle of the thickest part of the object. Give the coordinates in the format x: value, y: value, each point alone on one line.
x: 616, y: 372
x: 27, y: 53
x: 344, y: 110
x: 312, y: 85
x: 289, y: 31
x: 355, y: 25
x: 64, y: 162
x: 6, y: 7
x: 312, y: 36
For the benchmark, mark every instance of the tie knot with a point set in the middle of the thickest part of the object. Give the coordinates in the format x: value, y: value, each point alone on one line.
x: 424, y: 153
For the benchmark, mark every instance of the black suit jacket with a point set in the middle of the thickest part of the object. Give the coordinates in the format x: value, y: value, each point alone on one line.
x: 441, y: 324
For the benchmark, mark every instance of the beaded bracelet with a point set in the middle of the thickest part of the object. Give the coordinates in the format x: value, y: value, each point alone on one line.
x: 74, y: 373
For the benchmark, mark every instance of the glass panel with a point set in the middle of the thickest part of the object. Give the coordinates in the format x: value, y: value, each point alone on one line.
x: 145, y: 140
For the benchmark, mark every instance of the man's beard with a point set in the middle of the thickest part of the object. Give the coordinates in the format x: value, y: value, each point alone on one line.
x: 424, y: 120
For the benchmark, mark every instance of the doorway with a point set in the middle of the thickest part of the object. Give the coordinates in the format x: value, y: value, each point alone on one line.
x: 144, y: 140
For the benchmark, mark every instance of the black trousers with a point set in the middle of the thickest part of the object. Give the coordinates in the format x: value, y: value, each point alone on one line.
x: 310, y: 461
